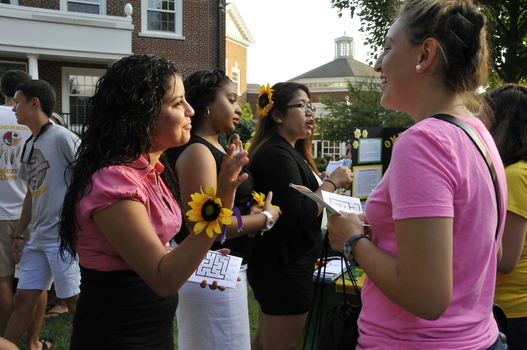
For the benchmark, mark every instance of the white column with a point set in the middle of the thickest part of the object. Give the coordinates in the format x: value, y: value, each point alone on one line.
x: 33, y: 66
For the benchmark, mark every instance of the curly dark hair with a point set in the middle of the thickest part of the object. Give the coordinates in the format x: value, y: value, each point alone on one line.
x: 120, y: 119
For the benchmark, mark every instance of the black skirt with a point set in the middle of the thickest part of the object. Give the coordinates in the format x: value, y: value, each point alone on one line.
x: 286, y: 289
x: 118, y: 310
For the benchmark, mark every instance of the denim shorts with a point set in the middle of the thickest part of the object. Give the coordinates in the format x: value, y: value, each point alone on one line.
x: 498, y: 344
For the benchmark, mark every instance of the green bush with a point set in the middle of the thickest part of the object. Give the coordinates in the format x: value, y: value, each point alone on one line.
x: 319, y: 163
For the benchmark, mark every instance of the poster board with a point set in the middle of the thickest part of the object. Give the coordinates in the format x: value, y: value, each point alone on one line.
x: 371, y: 152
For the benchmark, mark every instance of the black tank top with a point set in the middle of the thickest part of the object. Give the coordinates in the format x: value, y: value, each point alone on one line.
x: 240, y: 246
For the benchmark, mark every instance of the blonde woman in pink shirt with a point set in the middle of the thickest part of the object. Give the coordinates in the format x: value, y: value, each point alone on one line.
x: 432, y: 252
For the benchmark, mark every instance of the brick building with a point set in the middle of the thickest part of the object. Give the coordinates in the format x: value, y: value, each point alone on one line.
x: 238, y: 39
x: 71, y: 43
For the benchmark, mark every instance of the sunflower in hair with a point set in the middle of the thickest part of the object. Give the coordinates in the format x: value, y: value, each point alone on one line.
x: 207, y: 212
x: 265, y: 99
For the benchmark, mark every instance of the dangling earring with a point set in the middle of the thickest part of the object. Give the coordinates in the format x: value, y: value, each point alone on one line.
x: 208, y: 112
x: 418, y: 67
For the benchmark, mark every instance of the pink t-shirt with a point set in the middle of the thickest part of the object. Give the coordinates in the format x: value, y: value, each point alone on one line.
x: 436, y: 171
x: 139, y: 182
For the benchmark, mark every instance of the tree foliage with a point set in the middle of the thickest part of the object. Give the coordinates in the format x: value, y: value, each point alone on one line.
x: 341, y: 118
x: 245, y: 126
x: 507, y: 28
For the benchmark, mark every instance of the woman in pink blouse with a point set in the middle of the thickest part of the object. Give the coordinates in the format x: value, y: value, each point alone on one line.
x: 119, y: 214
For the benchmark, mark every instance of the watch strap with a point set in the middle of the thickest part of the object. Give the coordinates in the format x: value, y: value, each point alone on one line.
x: 269, y: 218
x: 347, y: 248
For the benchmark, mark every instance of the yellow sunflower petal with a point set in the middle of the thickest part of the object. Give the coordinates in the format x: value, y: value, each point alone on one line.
x: 226, y: 212
x: 210, y: 228
x: 195, y: 205
x: 200, y: 198
x: 209, y: 190
x: 217, y: 227
x: 200, y: 225
x: 226, y: 220
x: 259, y: 198
x: 218, y: 202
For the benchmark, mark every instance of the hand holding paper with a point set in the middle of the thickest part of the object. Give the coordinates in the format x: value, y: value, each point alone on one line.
x: 218, y: 268
x: 332, y: 201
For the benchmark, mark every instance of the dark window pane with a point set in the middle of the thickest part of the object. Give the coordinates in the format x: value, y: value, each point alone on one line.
x: 83, y: 8
x: 161, y: 21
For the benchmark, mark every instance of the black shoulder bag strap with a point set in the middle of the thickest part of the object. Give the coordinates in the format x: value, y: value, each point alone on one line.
x: 499, y: 315
x: 475, y: 138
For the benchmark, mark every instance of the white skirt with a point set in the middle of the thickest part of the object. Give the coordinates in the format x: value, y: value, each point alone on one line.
x: 212, y: 319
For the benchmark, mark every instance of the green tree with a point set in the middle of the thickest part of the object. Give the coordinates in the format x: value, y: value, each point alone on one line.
x: 247, y: 112
x: 341, y: 118
x: 507, y: 28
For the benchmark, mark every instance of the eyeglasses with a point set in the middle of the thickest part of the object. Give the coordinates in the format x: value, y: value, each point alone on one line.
x: 303, y: 107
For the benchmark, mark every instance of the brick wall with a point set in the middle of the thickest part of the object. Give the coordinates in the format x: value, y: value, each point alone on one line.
x: 199, y: 50
x: 42, y: 4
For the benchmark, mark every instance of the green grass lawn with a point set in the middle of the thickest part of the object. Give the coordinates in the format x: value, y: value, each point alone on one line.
x: 57, y: 330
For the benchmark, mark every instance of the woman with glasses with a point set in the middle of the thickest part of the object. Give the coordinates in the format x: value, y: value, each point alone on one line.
x: 283, y: 260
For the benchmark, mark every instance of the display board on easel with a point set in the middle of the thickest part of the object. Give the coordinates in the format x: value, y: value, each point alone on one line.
x: 371, y: 153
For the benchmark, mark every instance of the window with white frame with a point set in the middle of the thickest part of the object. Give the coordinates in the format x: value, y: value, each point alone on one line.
x: 235, y: 77
x: 162, y: 18
x: 78, y: 85
x: 331, y: 148
x: 345, y: 49
x: 96, y: 7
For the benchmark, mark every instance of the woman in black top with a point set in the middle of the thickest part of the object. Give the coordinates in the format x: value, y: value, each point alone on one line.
x: 283, y: 259
x: 222, y: 317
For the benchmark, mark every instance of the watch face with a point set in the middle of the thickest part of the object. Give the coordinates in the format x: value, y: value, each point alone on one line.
x: 347, y: 252
x: 269, y: 223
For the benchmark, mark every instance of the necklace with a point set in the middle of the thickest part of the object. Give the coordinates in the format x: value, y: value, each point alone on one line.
x: 42, y: 129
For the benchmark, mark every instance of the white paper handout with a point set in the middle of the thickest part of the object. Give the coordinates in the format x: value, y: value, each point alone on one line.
x: 334, y: 268
x: 218, y: 267
x: 339, y: 202
x: 332, y: 201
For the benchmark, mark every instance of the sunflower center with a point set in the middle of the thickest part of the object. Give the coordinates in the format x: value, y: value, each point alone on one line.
x: 210, y: 210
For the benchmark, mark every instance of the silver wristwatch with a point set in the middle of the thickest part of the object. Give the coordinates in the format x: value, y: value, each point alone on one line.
x: 347, y: 247
x: 269, y: 222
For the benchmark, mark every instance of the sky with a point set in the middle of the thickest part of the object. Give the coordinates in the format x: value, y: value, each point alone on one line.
x: 293, y: 37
